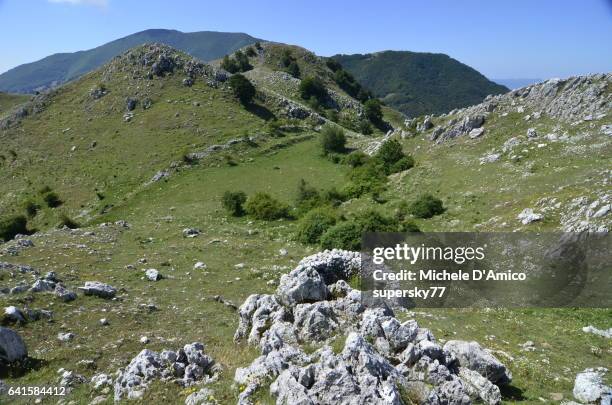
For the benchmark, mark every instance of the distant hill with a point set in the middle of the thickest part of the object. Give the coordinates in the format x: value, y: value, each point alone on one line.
x: 516, y: 83
x: 62, y: 67
x: 419, y: 83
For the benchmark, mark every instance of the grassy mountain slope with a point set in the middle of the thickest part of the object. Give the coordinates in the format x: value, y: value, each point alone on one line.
x: 9, y: 101
x: 62, y: 67
x: 243, y: 255
x: 419, y: 83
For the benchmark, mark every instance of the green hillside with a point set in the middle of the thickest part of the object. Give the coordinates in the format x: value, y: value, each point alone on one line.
x: 136, y: 155
x: 62, y: 67
x: 419, y: 83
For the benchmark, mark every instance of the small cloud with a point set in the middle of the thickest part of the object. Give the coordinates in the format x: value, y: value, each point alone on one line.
x: 98, y: 3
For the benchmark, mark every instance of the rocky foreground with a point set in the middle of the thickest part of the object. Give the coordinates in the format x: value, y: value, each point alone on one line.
x: 380, y: 359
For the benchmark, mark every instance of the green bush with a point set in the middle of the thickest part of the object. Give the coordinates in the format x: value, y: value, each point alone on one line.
x: 250, y: 52
x: 13, y: 225
x: 374, y: 221
x: 242, y: 87
x: 31, y: 208
x: 367, y: 178
x: 393, y: 158
x: 52, y: 200
x: 243, y: 61
x: 333, y: 64
x: 364, y: 127
x: 426, y: 206
x: 355, y: 159
x: 333, y: 197
x: 229, y: 64
x: 233, y: 202
x: 373, y: 111
x: 66, y: 221
x: 344, y: 235
x: 314, y: 224
x: 333, y: 140
x: 390, y: 152
x: 313, y: 87
x: 265, y: 207
x: 293, y: 69
x: 239, y: 63
x: 404, y: 163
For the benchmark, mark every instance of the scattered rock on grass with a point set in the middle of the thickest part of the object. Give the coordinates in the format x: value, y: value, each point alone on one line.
x: 98, y: 289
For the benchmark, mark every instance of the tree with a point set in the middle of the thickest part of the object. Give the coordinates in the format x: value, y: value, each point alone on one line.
x: 229, y: 64
x: 313, y: 87
x: 243, y: 61
x: 333, y: 140
x: 373, y: 111
x: 242, y: 87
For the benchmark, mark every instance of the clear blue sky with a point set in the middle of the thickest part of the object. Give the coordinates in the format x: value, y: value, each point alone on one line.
x: 500, y: 38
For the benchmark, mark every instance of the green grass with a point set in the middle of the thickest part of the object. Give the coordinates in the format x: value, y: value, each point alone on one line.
x: 9, y: 101
x: 126, y: 156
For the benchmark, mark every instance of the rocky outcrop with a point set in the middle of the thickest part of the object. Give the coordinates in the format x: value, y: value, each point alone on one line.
x: 186, y: 367
x: 572, y: 100
x: 590, y: 388
x: 382, y: 359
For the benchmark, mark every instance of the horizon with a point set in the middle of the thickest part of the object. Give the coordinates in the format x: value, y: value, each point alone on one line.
x: 522, y: 48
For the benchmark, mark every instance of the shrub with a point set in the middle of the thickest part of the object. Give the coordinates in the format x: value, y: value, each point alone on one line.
x: 306, y: 192
x: 393, y: 158
x: 313, y: 87
x: 364, y: 127
x: 229, y: 64
x: 293, y: 69
x: 232, y: 201
x: 31, y: 208
x: 333, y: 64
x: 314, y: 224
x: 265, y: 207
x: 250, y: 52
x: 404, y: 163
x: 374, y: 221
x: 344, y: 235
x: 370, y: 177
x: 333, y: 197
x: 68, y: 222
x: 52, y: 200
x: 355, y: 159
x: 373, y: 111
x: 390, y: 152
x: 242, y: 61
x: 333, y: 140
x: 242, y: 87
x: 44, y: 190
x: 13, y: 225
x: 426, y: 206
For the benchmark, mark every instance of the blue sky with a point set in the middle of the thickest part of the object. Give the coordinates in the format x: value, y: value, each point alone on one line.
x: 500, y: 38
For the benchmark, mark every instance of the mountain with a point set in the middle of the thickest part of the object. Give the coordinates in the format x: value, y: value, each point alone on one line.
x: 62, y: 67
x: 516, y: 83
x: 419, y: 83
x: 123, y: 174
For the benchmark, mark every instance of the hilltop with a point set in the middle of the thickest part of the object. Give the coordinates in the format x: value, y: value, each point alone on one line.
x: 63, y: 67
x: 419, y: 83
x: 410, y: 82
x: 140, y: 154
